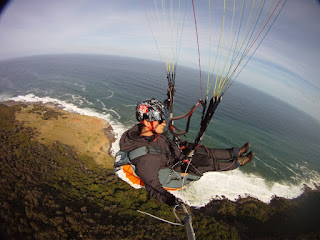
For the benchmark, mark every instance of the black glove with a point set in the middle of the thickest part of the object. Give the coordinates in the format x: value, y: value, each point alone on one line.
x: 187, y: 147
x: 166, y: 103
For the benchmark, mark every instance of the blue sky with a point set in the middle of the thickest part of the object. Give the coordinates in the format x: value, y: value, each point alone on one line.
x: 286, y: 65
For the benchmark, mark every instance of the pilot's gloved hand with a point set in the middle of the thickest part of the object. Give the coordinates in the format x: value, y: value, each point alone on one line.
x: 187, y: 147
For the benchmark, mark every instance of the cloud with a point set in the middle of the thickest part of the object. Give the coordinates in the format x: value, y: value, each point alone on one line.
x: 287, y: 58
x: 41, y: 26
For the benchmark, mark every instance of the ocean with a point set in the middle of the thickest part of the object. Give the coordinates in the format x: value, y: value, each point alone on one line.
x: 285, y: 140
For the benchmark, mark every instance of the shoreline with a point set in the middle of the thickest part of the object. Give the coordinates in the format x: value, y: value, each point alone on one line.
x: 87, y: 134
x: 265, y: 193
x: 117, y: 127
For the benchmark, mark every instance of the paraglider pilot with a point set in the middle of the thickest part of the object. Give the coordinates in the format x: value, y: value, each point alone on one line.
x: 151, y: 115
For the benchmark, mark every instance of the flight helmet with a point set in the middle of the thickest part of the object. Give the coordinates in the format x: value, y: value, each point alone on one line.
x: 151, y: 110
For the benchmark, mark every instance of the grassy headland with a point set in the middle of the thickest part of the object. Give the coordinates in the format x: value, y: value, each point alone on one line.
x: 53, y: 187
x: 84, y: 133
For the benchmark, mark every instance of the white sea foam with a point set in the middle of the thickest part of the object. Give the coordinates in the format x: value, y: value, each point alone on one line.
x: 83, y: 87
x: 112, y: 94
x: 102, y: 103
x: 80, y: 100
x: 4, y: 97
x: 104, y: 108
x: 114, y: 112
x: 118, y: 128
x: 235, y: 184
x: 267, y: 165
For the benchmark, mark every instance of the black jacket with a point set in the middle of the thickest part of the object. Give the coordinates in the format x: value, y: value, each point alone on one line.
x: 148, y: 166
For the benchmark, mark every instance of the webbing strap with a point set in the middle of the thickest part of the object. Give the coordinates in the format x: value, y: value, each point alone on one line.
x: 140, y: 151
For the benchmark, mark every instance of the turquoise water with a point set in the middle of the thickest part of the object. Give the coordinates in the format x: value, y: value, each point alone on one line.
x: 285, y: 141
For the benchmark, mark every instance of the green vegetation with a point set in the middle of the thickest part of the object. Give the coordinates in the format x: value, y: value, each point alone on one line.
x: 88, y: 135
x: 57, y: 193
x: 45, y: 113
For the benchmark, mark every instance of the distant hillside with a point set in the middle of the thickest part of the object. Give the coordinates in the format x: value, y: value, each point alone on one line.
x: 50, y: 190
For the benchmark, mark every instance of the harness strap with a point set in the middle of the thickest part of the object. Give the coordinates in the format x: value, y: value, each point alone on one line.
x: 150, y: 128
x: 125, y: 158
x: 140, y: 151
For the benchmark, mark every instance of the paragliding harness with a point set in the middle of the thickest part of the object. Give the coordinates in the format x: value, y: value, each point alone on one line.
x: 169, y: 178
x: 124, y: 158
x: 125, y: 170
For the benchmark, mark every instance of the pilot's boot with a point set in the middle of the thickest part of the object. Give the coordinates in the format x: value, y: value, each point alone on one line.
x: 244, y: 148
x: 242, y: 160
